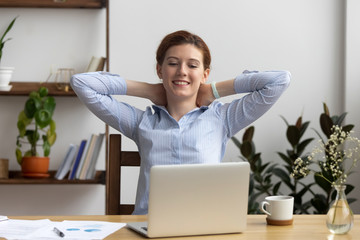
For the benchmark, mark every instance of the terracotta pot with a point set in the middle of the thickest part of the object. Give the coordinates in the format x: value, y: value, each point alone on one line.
x: 35, y: 166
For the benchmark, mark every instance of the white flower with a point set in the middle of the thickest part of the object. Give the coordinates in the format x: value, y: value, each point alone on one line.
x: 334, y: 156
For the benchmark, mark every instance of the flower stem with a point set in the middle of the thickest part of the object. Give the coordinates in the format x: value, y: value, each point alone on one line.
x: 321, y: 175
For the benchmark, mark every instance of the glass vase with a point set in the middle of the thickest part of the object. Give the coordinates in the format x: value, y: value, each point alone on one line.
x: 340, y: 218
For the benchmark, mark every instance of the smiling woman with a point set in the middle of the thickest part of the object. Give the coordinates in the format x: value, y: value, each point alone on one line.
x: 185, y: 125
x: 182, y: 73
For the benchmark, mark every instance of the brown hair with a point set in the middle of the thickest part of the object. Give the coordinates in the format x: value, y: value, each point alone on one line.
x: 179, y: 38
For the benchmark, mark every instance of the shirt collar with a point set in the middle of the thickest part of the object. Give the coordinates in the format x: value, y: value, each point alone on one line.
x: 158, y: 108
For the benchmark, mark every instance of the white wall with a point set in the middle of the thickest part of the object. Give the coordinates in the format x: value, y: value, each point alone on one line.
x: 305, y: 37
x: 352, y: 84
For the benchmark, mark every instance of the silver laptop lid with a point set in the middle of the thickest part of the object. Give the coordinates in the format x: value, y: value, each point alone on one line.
x: 198, y: 199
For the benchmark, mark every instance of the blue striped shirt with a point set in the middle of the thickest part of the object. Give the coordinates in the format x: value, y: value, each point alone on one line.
x: 200, y: 136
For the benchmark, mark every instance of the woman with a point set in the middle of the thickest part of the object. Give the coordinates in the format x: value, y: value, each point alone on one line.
x: 186, y: 125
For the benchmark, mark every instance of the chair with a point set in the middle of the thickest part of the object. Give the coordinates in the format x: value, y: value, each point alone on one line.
x: 116, y: 160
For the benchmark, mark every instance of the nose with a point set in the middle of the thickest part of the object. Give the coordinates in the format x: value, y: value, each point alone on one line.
x: 182, y: 69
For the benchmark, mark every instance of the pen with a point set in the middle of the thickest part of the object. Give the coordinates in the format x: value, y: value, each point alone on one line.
x: 58, y: 232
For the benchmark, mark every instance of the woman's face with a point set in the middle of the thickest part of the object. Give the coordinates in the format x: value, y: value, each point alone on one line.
x: 182, y: 71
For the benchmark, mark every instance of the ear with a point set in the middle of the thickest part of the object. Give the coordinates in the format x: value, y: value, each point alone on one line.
x: 158, y: 70
x: 206, y: 75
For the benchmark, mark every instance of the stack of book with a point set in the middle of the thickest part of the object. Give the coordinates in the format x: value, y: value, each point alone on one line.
x: 96, y: 64
x: 80, y: 160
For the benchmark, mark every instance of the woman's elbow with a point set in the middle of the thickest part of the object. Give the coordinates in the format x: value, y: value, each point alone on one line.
x: 76, y: 80
x: 285, y: 78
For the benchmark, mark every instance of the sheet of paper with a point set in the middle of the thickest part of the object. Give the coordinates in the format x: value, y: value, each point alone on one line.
x: 20, y: 229
x: 88, y: 229
x: 44, y: 229
x: 47, y: 233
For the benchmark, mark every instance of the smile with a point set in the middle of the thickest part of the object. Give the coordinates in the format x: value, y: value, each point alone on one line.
x: 181, y: 83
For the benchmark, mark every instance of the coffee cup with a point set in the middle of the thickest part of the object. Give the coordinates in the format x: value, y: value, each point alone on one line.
x: 279, y: 210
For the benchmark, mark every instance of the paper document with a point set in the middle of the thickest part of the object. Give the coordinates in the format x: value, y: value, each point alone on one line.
x: 18, y: 229
x: 44, y: 229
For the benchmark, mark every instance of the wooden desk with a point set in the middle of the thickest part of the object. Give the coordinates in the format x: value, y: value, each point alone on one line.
x: 304, y: 227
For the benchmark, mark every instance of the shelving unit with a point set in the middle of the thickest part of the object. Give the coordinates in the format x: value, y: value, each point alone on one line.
x: 53, y: 3
x: 15, y: 177
x: 24, y: 88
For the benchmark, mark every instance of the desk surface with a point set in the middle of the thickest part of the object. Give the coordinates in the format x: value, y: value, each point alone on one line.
x: 304, y: 227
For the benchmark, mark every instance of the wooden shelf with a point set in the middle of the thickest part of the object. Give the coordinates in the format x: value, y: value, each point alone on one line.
x: 53, y: 3
x: 15, y: 177
x: 24, y: 88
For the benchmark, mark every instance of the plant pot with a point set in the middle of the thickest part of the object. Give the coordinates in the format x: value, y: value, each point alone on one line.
x: 5, y: 77
x: 35, y: 167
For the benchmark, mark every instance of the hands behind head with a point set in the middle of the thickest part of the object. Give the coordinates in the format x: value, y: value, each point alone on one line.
x: 205, y: 96
x: 158, y: 96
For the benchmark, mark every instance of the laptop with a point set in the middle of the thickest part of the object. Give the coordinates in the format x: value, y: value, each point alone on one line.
x: 196, y: 199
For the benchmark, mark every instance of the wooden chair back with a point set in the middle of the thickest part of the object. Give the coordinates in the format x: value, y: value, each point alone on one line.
x: 117, y: 159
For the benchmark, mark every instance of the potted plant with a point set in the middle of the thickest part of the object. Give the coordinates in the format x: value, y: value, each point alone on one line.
x: 5, y: 72
x: 36, y: 128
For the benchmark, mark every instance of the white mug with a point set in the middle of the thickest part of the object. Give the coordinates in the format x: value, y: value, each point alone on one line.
x: 279, y: 209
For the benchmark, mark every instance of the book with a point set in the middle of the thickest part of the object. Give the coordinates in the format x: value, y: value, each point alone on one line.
x: 67, y: 162
x: 77, y: 160
x: 89, y: 156
x: 85, y: 161
x: 90, y: 173
x: 96, y: 64
x: 81, y: 163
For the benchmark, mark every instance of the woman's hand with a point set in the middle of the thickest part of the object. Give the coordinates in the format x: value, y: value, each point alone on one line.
x: 157, y: 94
x: 154, y: 92
x: 205, y: 96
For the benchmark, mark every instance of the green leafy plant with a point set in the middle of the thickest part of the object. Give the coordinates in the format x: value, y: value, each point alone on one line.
x: 321, y: 202
x: 294, y: 134
x: 3, y: 40
x: 35, y: 124
x: 261, y: 174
